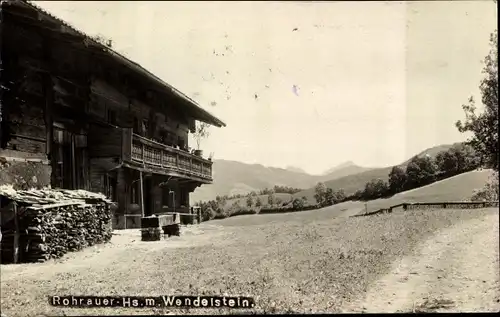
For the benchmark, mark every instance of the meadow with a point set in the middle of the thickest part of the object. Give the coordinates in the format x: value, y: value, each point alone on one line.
x: 313, y: 261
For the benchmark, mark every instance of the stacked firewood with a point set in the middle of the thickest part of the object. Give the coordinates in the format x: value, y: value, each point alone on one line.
x: 52, y: 233
x: 50, y: 230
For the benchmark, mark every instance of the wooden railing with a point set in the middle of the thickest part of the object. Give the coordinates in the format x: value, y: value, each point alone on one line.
x: 149, y: 152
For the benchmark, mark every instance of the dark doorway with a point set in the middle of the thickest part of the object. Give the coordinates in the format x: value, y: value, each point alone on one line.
x: 148, y: 198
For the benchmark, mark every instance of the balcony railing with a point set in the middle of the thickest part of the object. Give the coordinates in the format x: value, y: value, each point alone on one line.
x: 152, y: 153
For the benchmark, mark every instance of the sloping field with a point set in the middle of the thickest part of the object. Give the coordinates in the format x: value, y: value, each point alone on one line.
x: 456, y: 188
x: 316, y: 261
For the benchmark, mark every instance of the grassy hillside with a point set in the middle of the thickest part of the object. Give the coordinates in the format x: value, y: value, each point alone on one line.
x: 351, y: 183
x: 456, y: 188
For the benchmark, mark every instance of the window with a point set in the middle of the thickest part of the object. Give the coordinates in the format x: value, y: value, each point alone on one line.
x: 136, y: 125
x: 166, y: 199
x: 145, y: 127
x: 134, y: 193
x: 112, y: 116
x: 180, y: 142
x: 184, y: 197
x: 164, y: 137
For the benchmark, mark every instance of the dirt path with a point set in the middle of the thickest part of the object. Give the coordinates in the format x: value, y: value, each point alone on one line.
x: 122, y: 245
x: 456, y: 270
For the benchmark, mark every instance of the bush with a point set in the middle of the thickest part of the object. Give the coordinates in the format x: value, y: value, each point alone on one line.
x: 221, y: 214
x: 207, y: 214
x: 298, y: 203
x: 489, y: 192
x: 243, y: 211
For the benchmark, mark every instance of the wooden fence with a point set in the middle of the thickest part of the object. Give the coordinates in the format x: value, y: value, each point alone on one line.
x: 440, y: 205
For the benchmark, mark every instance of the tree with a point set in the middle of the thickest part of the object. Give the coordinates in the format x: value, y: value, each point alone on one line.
x: 320, y: 192
x: 447, y: 162
x: 397, y: 180
x: 278, y: 201
x: 472, y: 159
x: 376, y: 188
x: 484, y: 126
x: 258, y: 202
x: 420, y: 171
x: 201, y: 132
x: 329, y: 197
x: 298, y: 204
x: 270, y: 199
x: 249, y: 201
x: 340, y: 196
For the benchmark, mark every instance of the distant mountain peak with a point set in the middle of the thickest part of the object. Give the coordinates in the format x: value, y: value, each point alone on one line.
x: 295, y: 169
x: 338, y: 167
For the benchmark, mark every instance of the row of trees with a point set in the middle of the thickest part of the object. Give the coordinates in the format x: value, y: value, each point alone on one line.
x: 218, y: 208
x: 422, y: 171
x: 277, y: 189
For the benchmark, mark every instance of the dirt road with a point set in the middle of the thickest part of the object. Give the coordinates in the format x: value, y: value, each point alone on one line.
x: 456, y: 270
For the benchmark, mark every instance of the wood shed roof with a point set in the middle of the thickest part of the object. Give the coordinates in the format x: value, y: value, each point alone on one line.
x: 192, y: 106
x: 50, y: 196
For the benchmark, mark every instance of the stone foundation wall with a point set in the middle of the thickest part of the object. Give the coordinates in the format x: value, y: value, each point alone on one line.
x: 24, y: 175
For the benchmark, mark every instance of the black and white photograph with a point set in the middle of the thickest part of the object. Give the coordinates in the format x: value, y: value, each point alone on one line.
x: 248, y: 157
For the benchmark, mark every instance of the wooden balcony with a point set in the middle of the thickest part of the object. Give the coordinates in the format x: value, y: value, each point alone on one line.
x: 139, y: 152
x: 138, y: 149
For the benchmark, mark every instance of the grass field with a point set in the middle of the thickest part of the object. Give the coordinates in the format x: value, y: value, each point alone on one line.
x: 315, y: 261
x: 456, y: 188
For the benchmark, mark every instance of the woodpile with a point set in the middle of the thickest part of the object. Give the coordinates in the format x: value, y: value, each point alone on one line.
x: 41, y: 224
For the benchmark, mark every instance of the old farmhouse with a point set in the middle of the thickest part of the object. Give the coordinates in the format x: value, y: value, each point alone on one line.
x: 94, y: 119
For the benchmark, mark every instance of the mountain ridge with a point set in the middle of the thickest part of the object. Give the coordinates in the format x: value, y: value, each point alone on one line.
x: 234, y: 177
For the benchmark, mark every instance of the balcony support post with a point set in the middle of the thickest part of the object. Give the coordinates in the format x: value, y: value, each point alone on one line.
x: 141, y: 188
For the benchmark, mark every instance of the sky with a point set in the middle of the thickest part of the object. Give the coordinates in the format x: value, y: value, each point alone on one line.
x: 308, y: 84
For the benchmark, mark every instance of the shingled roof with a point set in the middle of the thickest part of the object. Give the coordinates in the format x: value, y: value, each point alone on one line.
x: 200, y: 113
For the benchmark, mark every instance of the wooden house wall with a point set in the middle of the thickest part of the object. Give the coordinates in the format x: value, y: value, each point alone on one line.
x: 104, y: 141
x: 107, y: 99
x: 100, y: 169
x: 23, y: 105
